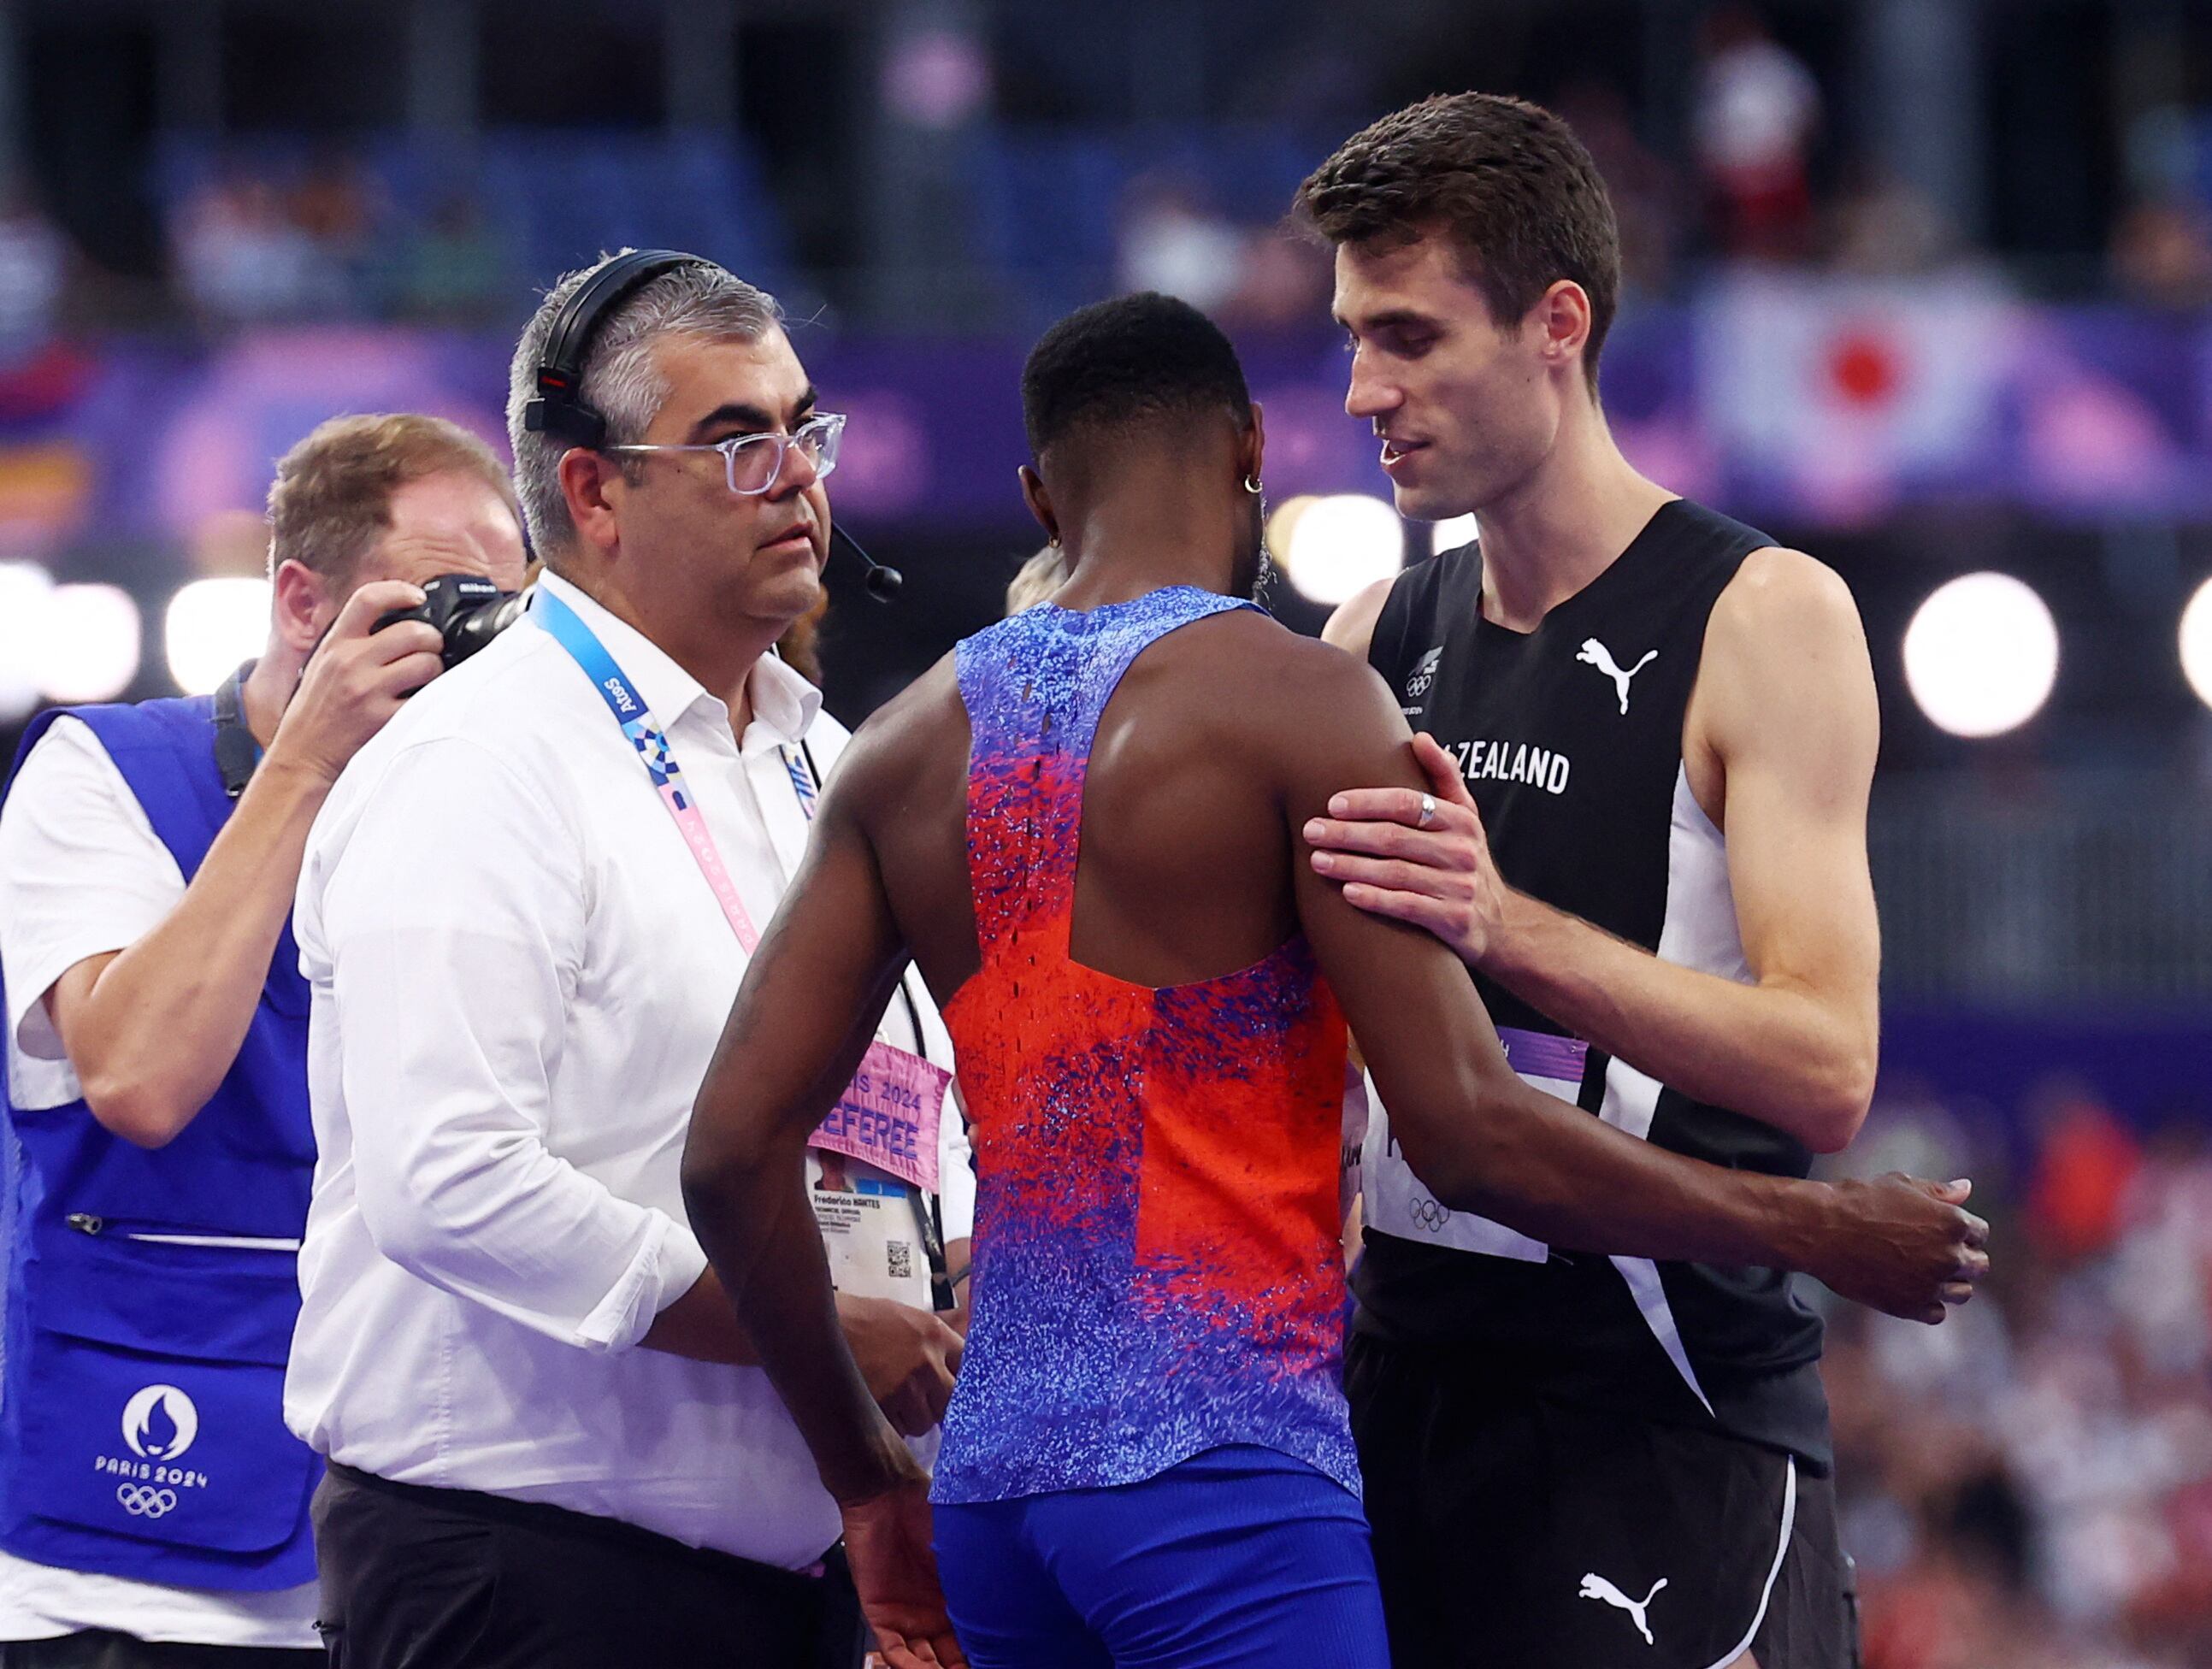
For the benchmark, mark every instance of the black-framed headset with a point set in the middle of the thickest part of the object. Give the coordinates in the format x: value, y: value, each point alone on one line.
x: 557, y: 408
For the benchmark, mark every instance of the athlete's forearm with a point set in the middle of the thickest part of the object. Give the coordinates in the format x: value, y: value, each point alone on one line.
x: 1773, y: 1051
x: 160, y: 1022
x: 700, y: 1326
x: 756, y: 1223
x: 803, y: 1020
x: 1533, y: 1163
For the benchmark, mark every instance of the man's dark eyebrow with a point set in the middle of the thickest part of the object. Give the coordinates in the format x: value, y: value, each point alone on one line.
x: 733, y: 414
x: 1395, y: 320
x: 736, y: 414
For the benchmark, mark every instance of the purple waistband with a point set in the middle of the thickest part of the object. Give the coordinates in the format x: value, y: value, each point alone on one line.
x: 1543, y: 1054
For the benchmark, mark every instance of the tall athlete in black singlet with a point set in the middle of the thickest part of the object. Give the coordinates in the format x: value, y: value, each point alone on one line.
x: 1650, y: 734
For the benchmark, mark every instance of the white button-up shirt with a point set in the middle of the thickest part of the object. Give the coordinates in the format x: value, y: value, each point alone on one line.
x: 519, y: 977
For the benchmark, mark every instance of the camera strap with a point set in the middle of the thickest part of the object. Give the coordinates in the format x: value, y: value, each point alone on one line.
x: 888, y: 1116
x: 236, y: 752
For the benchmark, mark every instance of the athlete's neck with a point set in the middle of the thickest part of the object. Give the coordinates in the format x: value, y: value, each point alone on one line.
x: 1145, y: 529
x: 1563, y: 523
x: 697, y: 639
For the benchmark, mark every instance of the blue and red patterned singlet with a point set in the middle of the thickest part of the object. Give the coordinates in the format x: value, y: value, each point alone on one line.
x: 1157, y: 1268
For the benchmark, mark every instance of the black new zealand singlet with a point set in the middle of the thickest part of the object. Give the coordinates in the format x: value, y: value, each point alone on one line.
x: 1570, y: 740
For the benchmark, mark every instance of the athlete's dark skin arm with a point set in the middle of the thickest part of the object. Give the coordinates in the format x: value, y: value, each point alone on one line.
x: 782, y: 1052
x: 1527, y: 1160
x: 1778, y: 747
x: 827, y: 972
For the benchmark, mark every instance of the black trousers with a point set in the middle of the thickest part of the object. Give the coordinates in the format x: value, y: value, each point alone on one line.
x: 104, y: 1649
x: 416, y: 1578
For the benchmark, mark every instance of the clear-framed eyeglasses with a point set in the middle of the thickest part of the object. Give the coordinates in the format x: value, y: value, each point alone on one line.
x: 755, y: 462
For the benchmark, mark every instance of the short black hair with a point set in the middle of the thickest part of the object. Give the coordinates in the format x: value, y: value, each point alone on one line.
x: 1504, y: 179
x: 1126, y: 364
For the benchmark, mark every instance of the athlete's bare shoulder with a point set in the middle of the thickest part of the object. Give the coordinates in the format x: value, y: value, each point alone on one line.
x: 1778, y: 588
x: 1783, y: 614
x: 922, y: 722
x: 1257, y: 652
x: 1277, y: 697
x: 1785, y: 661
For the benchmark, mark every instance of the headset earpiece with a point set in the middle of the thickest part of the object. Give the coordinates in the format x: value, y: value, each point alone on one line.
x: 557, y: 408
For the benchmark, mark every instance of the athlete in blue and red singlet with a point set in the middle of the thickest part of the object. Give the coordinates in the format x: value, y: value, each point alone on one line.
x: 1074, y: 826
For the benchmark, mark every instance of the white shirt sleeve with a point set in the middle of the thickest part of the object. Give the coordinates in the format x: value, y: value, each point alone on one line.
x: 956, y: 1170
x: 956, y: 1185
x: 81, y: 873
x: 453, y: 920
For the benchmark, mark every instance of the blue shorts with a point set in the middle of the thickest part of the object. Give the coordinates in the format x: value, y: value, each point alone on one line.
x: 1237, y: 1556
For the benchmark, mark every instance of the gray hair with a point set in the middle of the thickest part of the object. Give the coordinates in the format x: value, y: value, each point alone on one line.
x: 620, y: 380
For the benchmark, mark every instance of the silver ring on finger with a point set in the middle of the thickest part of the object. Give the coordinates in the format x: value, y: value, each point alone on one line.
x: 1428, y: 810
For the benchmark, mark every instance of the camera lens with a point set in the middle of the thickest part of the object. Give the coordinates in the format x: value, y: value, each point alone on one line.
x: 469, y: 630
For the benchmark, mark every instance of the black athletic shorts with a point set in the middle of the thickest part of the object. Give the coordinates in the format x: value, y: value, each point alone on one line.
x: 1513, y: 1532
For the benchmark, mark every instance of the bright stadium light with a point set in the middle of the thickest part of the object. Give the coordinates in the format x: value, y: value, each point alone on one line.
x: 26, y: 589
x: 1452, y: 532
x: 2197, y: 643
x: 1981, y: 655
x: 91, y: 650
x: 1341, y: 545
x: 1283, y: 522
x: 212, y: 625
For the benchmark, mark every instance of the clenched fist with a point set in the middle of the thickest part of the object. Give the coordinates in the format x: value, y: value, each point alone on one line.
x: 1903, y: 1246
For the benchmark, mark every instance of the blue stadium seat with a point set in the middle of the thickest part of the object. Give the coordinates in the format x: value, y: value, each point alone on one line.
x: 557, y: 196
x: 1048, y: 200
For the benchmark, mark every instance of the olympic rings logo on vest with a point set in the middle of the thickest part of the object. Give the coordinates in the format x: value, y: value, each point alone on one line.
x: 142, y: 1501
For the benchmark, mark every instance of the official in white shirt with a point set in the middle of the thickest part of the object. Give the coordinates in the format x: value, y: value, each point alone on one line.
x: 547, y: 1447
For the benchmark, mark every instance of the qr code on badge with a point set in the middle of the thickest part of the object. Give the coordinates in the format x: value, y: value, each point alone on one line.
x: 900, y: 1255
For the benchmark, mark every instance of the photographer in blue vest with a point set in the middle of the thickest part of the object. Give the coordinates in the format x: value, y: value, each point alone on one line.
x: 153, y: 1507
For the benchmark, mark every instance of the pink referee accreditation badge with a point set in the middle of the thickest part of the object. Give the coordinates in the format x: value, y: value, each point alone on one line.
x: 888, y: 1116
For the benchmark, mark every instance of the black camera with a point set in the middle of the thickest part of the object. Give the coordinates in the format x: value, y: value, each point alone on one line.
x: 468, y: 611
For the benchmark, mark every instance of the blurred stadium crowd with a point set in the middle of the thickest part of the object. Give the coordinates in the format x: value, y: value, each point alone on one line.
x: 1131, y: 150
x: 2031, y: 1485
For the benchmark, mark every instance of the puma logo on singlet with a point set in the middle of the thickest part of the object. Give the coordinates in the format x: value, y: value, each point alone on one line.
x: 1594, y: 653
x: 1594, y: 1587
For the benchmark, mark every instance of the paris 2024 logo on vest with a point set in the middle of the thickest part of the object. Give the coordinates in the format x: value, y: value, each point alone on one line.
x: 160, y: 1422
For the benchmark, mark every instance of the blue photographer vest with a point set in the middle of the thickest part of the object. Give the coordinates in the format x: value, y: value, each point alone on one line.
x: 152, y: 1293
